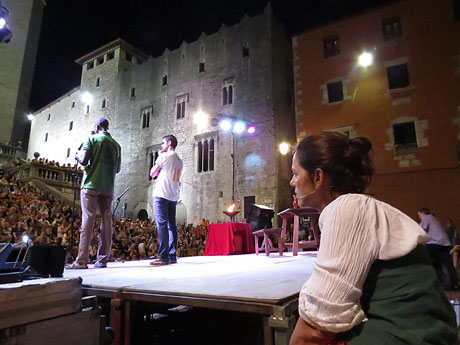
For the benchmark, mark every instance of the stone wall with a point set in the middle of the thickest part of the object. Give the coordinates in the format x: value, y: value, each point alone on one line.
x: 260, y: 84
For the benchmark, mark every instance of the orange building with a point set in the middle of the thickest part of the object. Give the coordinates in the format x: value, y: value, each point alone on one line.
x: 407, y: 101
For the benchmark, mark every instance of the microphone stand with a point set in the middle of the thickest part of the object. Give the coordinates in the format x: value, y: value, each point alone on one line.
x: 117, y: 202
x: 74, y: 188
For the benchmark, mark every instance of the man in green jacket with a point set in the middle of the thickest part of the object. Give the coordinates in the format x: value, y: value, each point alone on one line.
x: 101, y: 157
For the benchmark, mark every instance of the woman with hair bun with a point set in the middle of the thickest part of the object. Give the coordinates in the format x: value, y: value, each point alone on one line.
x: 372, y: 282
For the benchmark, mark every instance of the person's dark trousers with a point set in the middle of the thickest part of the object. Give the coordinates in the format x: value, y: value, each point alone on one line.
x: 440, y: 255
x: 165, y: 214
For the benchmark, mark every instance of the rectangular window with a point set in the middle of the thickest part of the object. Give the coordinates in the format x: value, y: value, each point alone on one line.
x: 49, y: 117
x: 68, y: 152
x: 90, y: 65
x: 405, y: 135
x: 335, y: 92
x: 180, y: 105
x: 398, y: 76
x: 457, y: 10
x: 100, y: 60
x: 164, y: 80
x: 145, y: 119
x: 87, y: 109
x: 70, y: 125
x: 211, y: 154
x: 245, y: 51
x: 110, y: 56
x: 391, y: 28
x: 73, y: 104
x: 227, y: 95
x: 224, y: 96
x: 331, y: 46
x: 98, y: 82
x: 180, y: 110
x: 201, y: 67
x: 200, y: 157
x: 46, y: 137
x: 205, y: 155
x: 132, y: 93
x: 104, y: 103
x: 230, y: 94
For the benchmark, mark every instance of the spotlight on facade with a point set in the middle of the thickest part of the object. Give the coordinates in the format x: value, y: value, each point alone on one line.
x: 251, y: 129
x: 200, y: 118
x: 365, y: 59
x: 87, y: 98
x: 239, y: 127
x: 225, y: 124
x: 284, y: 148
x: 30, y: 117
x: 5, y: 33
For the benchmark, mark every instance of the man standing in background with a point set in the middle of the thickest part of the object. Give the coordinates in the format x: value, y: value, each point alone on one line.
x: 438, y: 246
x: 101, y: 157
x: 168, y: 169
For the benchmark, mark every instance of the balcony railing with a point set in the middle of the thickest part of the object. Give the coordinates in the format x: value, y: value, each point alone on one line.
x: 50, y: 174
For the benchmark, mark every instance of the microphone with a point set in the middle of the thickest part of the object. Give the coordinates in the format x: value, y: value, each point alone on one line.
x: 81, y: 145
x: 305, y: 195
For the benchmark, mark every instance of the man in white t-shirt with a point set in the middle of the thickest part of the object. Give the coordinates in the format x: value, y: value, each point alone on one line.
x: 167, y: 169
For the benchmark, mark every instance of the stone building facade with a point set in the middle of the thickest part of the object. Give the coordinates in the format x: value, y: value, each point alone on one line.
x: 17, y: 61
x: 241, y: 72
x: 406, y: 102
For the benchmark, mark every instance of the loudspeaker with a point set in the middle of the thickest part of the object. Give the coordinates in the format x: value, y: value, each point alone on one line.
x: 48, y: 260
x: 260, y: 217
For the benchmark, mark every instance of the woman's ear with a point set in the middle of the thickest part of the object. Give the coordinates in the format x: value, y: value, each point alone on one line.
x: 318, y: 177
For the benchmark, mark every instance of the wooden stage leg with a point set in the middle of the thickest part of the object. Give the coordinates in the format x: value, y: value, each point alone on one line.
x: 120, y: 319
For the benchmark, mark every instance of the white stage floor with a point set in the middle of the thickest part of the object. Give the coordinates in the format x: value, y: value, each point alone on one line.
x: 245, y: 278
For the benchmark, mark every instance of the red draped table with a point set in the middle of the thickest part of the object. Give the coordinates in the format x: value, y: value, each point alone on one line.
x: 222, y: 237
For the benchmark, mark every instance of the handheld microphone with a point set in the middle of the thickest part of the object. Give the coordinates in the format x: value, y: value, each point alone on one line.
x: 79, y: 147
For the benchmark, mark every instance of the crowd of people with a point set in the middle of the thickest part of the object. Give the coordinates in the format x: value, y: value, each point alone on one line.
x: 25, y: 209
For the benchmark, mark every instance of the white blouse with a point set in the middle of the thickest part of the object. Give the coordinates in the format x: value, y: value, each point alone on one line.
x: 356, y: 230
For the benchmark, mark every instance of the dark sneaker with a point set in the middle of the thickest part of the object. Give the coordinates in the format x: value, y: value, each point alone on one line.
x: 158, y: 262
x: 172, y: 261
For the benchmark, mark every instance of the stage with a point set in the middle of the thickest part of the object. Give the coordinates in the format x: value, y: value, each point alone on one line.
x: 267, y: 286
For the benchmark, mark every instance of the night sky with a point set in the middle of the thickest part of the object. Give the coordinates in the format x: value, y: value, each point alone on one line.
x: 71, y: 29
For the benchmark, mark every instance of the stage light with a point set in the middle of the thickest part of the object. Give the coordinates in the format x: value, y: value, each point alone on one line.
x: 365, y: 59
x: 5, y: 33
x: 200, y: 118
x: 25, y: 239
x: 251, y: 130
x: 239, y: 127
x: 30, y: 117
x: 87, y: 98
x: 225, y: 124
x: 284, y: 148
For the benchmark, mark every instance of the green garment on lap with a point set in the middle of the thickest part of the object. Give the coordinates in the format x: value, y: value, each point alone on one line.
x: 404, y: 304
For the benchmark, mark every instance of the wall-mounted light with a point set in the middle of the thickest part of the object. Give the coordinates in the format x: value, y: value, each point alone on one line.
x: 366, y: 59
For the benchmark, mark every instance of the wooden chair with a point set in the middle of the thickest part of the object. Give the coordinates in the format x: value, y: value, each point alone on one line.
x: 296, y: 213
x: 267, y: 244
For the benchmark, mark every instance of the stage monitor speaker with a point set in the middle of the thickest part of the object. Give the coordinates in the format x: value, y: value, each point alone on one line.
x: 48, y: 260
x: 260, y: 217
x: 5, y: 250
